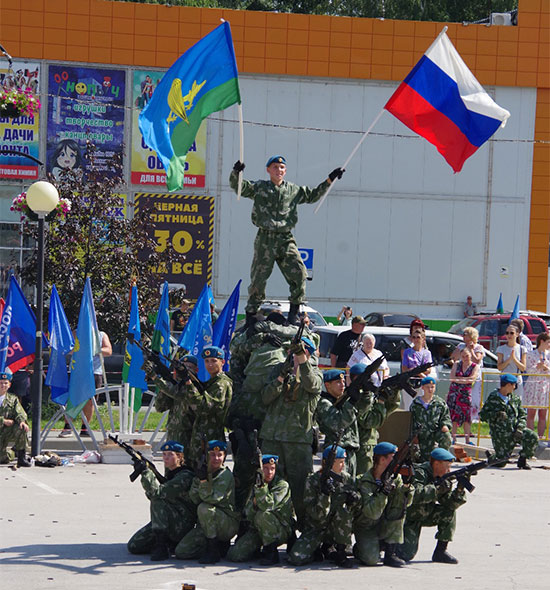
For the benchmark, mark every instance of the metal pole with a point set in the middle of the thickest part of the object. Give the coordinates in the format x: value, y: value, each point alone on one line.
x: 38, y: 364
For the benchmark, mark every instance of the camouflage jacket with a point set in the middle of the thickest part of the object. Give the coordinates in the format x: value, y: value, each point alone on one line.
x: 276, y: 207
x: 273, y: 498
x: 218, y: 490
x: 427, y: 495
x: 289, y: 415
x: 210, y: 407
x: 174, y: 491
x: 331, y: 419
x: 431, y: 419
x: 516, y: 416
x: 12, y: 409
x: 172, y: 397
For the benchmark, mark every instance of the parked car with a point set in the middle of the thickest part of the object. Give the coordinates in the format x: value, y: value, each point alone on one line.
x: 397, y: 320
x: 284, y: 307
x: 492, y: 327
x: 441, y: 345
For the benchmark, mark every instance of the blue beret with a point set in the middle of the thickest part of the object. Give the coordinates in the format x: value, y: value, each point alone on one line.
x: 332, y: 375
x: 427, y: 379
x: 278, y: 159
x: 217, y: 445
x: 6, y: 374
x: 507, y: 378
x: 172, y: 445
x: 340, y: 452
x: 270, y: 459
x: 384, y: 448
x: 189, y: 358
x: 309, y: 344
x: 213, y: 352
x: 440, y: 454
x: 358, y: 369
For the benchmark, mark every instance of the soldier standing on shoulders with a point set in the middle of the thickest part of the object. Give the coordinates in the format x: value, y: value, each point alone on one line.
x: 507, y: 423
x: 275, y: 214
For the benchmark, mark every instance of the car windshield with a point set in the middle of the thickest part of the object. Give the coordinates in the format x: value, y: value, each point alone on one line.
x: 459, y: 328
x: 398, y: 320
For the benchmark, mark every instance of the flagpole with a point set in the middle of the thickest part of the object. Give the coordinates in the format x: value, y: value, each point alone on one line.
x: 345, y: 164
x: 241, y: 149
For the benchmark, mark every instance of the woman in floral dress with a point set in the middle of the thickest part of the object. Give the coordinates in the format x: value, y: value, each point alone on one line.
x: 463, y: 376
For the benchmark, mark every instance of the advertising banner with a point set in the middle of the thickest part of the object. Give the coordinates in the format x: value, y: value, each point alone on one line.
x: 147, y: 169
x: 84, y: 104
x: 20, y: 134
x: 186, y: 223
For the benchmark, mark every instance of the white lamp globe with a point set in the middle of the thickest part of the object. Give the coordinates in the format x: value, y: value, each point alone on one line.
x: 42, y: 197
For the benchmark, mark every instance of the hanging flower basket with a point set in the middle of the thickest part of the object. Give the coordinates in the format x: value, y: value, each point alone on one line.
x: 19, y: 203
x: 17, y: 102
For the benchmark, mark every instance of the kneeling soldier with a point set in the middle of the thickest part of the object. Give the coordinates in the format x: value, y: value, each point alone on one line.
x: 433, y: 505
x: 380, y: 522
x: 269, y: 515
x: 213, y: 491
x: 173, y: 514
x: 13, y: 423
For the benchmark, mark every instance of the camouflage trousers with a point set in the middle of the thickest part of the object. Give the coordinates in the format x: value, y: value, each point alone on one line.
x: 337, y: 530
x: 295, y: 464
x: 367, y: 538
x: 363, y: 457
x: 9, y: 434
x: 245, y: 465
x: 213, y: 523
x: 503, y: 442
x: 264, y: 530
x: 164, y: 518
x: 279, y: 247
x: 427, y: 443
x: 441, y: 516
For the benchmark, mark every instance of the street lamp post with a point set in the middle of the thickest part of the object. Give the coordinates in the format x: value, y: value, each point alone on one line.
x: 42, y: 198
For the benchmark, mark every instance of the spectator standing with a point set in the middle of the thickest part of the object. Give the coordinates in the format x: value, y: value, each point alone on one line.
x: 523, y: 339
x: 512, y: 356
x: 470, y: 308
x: 345, y: 316
x: 463, y: 376
x: 535, y: 389
x: 347, y: 342
x: 418, y: 354
x: 180, y: 316
x: 366, y: 355
x: 477, y: 351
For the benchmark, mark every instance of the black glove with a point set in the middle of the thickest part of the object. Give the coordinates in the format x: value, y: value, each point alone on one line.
x: 387, y: 487
x: 202, y: 472
x: 328, y: 486
x: 273, y: 339
x: 336, y: 173
x: 354, y: 396
x: 352, y: 497
x: 462, y: 481
x: 238, y: 166
x: 517, y: 436
x: 139, y: 467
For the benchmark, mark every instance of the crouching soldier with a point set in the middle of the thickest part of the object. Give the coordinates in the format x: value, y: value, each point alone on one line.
x: 13, y: 424
x: 213, y: 491
x: 268, y: 512
x: 173, y: 514
x: 433, y: 505
x: 330, y: 499
x: 384, y: 504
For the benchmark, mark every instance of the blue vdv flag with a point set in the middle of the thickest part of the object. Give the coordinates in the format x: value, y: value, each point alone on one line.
x: 515, y: 313
x: 87, y: 345
x: 198, y: 331
x: 161, y: 335
x: 61, y: 343
x: 17, y: 330
x: 500, y: 306
x: 225, y: 324
x: 134, y: 355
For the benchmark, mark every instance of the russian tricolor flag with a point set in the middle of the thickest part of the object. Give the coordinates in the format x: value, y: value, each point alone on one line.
x: 442, y: 101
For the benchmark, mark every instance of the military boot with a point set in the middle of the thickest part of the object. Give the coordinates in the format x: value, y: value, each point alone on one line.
x: 270, y: 555
x: 441, y: 555
x: 522, y: 463
x: 251, y: 319
x: 161, y: 551
x: 212, y: 554
x: 293, y: 313
x: 22, y: 460
x: 340, y: 558
x: 390, y: 558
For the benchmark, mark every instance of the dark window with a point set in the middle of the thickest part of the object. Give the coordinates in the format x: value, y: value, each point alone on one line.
x: 326, y: 344
x: 488, y: 328
x: 537, y: 326
x: 392, y: 345
x: 441, y: 348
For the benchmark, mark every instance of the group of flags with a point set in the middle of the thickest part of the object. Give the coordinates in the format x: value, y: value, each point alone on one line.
x: 73, y: 389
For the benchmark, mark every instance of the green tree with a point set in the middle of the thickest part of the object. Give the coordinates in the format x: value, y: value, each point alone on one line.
x: 95, y: 241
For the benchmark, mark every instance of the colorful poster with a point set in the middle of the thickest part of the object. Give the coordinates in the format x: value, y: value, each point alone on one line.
x: 186, y: 223
x: 84, y: 104
x: 146, y: 167
x: 20, y: 134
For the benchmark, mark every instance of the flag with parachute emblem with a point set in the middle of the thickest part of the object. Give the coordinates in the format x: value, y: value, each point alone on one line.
x: 161, y: 333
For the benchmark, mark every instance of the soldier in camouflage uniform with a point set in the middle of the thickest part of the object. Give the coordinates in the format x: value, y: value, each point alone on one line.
x: 371, y: 419
x: 268, y: 514
x: 334, y: 417
x: 331, y: 504
x: 275, y: 214
x: 432, y: 506
x: 13, y: 424
x: 507, y: 423
x: 430, y: 417
x: 287, y: 430
x: 383, y: 509
x: 213, y: 491
x: 173, y: 514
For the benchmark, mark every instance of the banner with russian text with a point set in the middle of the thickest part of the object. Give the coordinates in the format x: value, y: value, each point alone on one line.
x: 147, y: 168
x: 84, y: 103
x: 20, y: 134
x: 186, y: 222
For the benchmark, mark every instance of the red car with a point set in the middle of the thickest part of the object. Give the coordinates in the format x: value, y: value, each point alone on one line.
x: 491, y: 328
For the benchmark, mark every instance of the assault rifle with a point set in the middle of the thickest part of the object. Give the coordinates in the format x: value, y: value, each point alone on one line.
x: 259, y: 470
x: 401, y: 463
x: 288, y: 365
x: 329, y: 479
x: 402, y: 380
x: 138, y: 459
x: 463, y: 474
